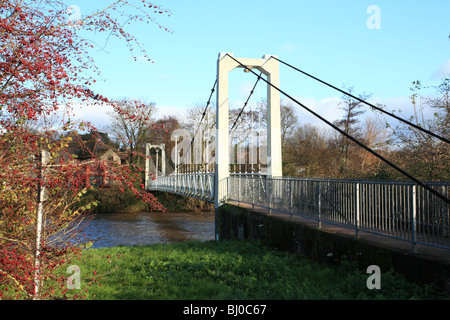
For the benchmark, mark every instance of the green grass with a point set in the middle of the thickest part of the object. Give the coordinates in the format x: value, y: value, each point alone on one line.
x: 228, y: 270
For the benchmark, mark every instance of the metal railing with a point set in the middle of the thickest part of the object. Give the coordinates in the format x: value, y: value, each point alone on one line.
x: 197, y: 185
x: 399, y: 210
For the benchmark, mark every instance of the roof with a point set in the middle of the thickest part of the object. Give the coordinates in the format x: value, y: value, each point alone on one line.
x: 84, y: 150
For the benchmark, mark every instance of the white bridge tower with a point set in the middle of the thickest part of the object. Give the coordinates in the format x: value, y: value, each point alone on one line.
x: 270, y: 68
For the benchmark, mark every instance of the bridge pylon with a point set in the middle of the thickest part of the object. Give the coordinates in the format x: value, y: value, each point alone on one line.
x: 270, y: 68
x: 159, y: 148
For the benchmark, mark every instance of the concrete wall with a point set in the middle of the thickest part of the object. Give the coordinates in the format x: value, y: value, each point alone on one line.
x: 235, y: 222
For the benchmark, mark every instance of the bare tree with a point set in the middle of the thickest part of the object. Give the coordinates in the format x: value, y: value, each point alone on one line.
x: 164, y: 128
x: 306, y: 153
x: 288, y: 119
x: 131, y: 125
x: 423, y: 156
x: 349, y: 123
x: 374, y: 136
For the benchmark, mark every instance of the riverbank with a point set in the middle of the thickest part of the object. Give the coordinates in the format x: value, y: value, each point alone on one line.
x: 113, y: 200
x: 178, y: 203
x: 228, y: 270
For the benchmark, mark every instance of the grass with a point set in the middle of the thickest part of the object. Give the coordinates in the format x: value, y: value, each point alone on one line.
x: 228, y: 270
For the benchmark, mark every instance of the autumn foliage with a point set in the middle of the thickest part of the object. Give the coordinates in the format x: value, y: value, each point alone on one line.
x: 45, y: 69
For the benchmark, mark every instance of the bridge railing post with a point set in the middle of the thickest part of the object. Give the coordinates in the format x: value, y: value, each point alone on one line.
x: 357, y: 210
x: 253, y: 192
x: 319, y: 204
x: 239, y: 188
x: 413, y: 198
x: 269, y: 193
x: 290, y: 197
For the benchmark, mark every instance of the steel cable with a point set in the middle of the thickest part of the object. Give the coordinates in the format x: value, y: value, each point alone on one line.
x: 367, y: 103
x: 245, y: 104
x: 425, y: 186
x: 199, y: 124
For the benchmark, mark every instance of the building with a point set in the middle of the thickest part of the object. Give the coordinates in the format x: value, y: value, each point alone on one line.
x: 87, y: 151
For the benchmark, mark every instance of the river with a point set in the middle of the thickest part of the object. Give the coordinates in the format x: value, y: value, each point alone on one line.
x: 108, y: 230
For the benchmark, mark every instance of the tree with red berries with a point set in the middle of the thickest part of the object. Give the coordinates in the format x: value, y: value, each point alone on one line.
x: 45, y: 68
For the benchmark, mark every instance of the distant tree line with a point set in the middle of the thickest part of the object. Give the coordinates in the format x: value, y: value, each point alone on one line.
x: 313, y: 151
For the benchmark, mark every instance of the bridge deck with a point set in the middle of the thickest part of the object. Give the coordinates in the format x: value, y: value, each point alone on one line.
x: 424, y: 251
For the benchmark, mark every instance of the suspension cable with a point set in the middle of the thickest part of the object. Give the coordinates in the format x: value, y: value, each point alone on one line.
x: 199, y: 124
x: 367, y: 103
x: 442, y: 197
x: 245, y: 104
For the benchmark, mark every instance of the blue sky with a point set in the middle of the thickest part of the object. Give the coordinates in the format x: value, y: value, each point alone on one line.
x: 327, y: 38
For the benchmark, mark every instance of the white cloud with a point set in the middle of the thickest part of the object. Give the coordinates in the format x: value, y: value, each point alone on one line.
x: 96, y: 114
x: 442, y: 71
x: 327, y: 108
x: 403, y: 108
x: 99, y: 116
x: 402, y: 104
x: 176, y: 111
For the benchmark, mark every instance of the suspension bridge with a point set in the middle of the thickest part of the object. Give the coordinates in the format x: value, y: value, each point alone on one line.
x: 221, y: 164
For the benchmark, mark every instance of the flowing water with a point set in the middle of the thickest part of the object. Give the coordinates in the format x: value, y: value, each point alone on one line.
x: 108, y: 230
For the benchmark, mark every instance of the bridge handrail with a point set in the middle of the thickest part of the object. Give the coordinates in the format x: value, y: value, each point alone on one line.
x: 406, y: 182
x: 398, y: 209
x: 198, y: 185
x: 356, y: 180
